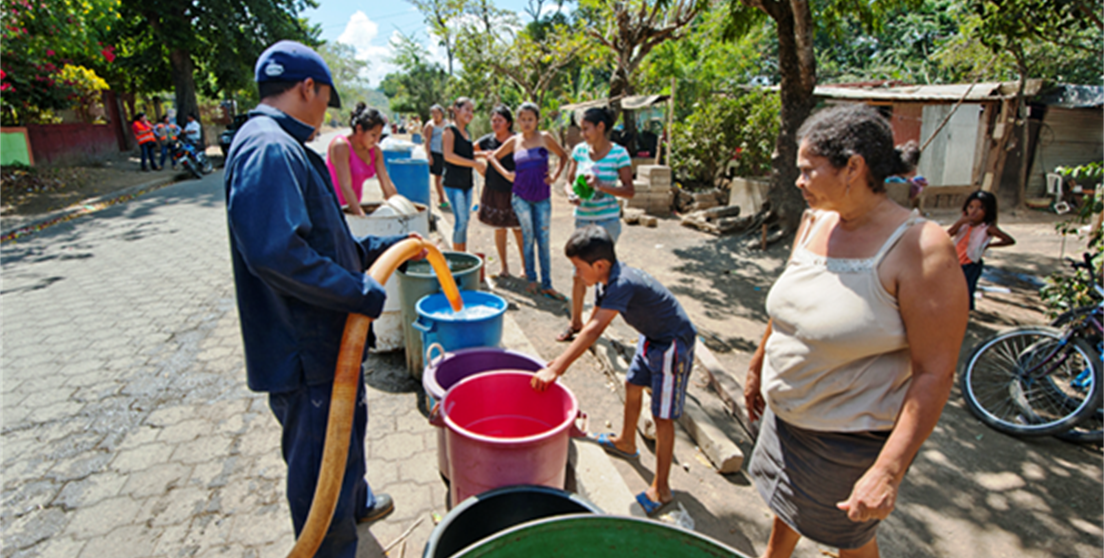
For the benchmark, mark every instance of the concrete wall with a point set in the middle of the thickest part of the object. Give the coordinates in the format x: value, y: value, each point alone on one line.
x: 71, y: 143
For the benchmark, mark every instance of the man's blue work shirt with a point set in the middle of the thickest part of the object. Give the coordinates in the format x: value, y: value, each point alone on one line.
x: 298, y: 271
x: 646, y: 305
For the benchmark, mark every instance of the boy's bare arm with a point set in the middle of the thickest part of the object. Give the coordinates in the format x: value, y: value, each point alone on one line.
x: 599, y: 320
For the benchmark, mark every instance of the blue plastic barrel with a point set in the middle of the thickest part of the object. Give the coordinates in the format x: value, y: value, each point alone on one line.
x: 411, y: 178
x: 479, y: 324
x: 396, y: 153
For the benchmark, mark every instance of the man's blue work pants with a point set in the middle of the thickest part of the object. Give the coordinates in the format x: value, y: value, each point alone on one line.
x: 303, y: 414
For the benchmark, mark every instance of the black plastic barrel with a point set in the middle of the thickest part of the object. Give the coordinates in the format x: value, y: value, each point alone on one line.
x: 484, y: 515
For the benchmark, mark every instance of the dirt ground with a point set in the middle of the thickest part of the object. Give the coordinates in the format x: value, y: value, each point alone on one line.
x: 971, y: 491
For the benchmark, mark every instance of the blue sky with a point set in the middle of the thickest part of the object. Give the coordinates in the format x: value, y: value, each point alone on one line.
x: 369, y: 26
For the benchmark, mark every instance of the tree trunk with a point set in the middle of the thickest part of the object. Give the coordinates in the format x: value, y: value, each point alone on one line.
x: 797, y: 66
x: 183, y: 70
x: 620, y: 86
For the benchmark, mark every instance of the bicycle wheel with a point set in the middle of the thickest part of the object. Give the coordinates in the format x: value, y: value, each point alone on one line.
x: 1025, y: 382
x: 1091, y: 431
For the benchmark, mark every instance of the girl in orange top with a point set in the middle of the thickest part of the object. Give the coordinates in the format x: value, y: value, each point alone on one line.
x: 974, y: 232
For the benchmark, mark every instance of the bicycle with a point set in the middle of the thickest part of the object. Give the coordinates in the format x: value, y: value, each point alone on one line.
x: 1041, y: 380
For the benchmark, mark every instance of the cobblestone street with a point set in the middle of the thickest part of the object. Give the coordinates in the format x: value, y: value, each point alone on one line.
x: 127, y: 426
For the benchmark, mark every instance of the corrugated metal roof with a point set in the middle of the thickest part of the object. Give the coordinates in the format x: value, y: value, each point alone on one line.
x: 1072, y: 96
x: 980, y: 92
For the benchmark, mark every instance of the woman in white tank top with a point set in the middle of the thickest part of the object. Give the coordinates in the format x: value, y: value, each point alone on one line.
x: 859, y: 356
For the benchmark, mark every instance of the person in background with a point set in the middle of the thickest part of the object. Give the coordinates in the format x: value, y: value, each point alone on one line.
x: 433, y: 132
x: 973, y: 233
x: 495, y: 208
x: 662, y: 362
x: 298, y: 274
x: 193, y: 132
x: 459, y: 155
x: 604, y: 164
x: 354, y: 158
x: 167, y: 134
x: 532, y: 199
x: 147, y: 141
x: 859, y: 355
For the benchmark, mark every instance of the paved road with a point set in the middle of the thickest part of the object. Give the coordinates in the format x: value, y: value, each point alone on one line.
x: 127, y: 426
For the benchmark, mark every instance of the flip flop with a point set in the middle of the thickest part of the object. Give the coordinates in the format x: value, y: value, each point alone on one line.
x: 568, y: 334
x: 554, y: 295
x: 651, y: 507
x: 605, y: 440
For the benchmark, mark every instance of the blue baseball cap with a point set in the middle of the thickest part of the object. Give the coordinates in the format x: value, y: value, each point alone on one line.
x: 292, y: 61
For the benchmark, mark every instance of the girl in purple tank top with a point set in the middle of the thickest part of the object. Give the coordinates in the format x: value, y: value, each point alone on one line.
x: 532, y: 192
x: 355, y: 158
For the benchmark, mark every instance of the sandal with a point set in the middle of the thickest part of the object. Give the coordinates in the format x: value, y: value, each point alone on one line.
x: 651, y: 507
x: 605, y: 440
x: 567, y: 334
x: 532, y: 288
x: 551, y: 293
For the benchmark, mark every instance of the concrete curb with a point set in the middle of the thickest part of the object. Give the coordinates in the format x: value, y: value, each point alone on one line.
x: 80, y: 208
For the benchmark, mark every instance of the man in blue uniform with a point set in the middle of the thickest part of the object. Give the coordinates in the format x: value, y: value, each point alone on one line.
x: 299, y: 272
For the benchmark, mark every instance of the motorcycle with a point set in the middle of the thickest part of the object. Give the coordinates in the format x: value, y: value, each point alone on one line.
x: 191, y: 159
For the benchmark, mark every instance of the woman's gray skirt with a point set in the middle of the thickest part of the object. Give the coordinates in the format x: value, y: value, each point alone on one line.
x: 802, y: 474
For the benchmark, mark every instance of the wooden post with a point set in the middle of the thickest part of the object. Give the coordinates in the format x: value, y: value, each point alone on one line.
x: 670, y: 117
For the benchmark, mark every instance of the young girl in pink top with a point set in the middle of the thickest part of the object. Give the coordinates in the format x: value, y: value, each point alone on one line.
x: 973, y: 233
x: 357, y: 157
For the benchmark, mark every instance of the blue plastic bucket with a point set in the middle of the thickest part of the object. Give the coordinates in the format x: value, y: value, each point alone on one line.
x: 411, y: 178
x: 479, y: 324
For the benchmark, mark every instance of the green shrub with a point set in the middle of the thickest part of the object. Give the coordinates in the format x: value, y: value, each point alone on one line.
x: 1061, y: 292
x: 741, y: 128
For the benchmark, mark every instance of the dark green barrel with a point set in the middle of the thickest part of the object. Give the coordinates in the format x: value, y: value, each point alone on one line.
x: 417, y: 279
x: 598, y: 536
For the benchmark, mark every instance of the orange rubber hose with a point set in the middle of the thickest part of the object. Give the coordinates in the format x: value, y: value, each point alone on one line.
x: 339, y: 428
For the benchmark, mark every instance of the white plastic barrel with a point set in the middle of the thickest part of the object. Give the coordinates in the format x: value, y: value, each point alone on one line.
x: 396, y: 218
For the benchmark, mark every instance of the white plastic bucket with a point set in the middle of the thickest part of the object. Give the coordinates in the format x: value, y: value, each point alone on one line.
x: 388, y: 327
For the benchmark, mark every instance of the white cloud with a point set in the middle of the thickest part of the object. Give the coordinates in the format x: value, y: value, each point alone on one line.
x: 362, y: 34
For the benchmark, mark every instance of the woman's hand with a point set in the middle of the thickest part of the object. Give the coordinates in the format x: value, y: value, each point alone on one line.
x: 355, y: 209
x: 873, y: 496
x: 753, y: 393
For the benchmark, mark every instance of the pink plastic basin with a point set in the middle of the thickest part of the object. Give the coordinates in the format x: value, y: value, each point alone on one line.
x: 502, y: 432
x: 448, y: 369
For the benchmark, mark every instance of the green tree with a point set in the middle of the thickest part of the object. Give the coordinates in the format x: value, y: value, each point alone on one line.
x: 347, y: 71
x: 419, y: 85
x: 796, y: 25
x: 1003, y: 29
x: 630, y: 29
x: 441, y: 16
x: 214, y: 43
x: 531, y: 58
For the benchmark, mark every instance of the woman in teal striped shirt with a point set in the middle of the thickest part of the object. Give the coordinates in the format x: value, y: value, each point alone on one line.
x: 604, y: 164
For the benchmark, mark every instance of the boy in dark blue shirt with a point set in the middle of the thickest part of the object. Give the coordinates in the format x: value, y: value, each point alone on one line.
x: 664, y: 353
